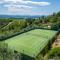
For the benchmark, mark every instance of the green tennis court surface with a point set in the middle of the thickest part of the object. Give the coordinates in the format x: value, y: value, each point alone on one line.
x: 31, y: 43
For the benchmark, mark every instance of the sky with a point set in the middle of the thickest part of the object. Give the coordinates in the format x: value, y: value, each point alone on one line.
x: 29, y: 7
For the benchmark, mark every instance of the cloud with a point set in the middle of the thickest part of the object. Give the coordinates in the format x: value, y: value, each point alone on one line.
x: 40, y: 3
x: 22, y: 3
x: 17, y: 6
x: 21, y: 6
x: 26, y: 2
x: 19, y: 11
x: 13, y: 1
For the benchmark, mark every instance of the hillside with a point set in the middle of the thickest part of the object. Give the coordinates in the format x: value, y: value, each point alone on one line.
x: 10, y: 27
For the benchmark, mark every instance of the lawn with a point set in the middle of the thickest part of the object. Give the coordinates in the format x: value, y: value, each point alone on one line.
x: 31, y: 43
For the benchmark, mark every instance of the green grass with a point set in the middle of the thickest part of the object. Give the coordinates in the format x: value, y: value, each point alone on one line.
x: 31, y: 43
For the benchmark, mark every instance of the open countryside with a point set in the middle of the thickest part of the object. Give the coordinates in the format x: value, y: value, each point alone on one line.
x: 29, y: 29
x: 30, y: 39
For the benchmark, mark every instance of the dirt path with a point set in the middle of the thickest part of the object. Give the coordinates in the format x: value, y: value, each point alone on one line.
x: 57, y: 42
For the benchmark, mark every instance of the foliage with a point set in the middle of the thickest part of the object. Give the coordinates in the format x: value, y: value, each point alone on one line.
x: 6, y: 53
x: 54, y: 53
x: 11, y: 26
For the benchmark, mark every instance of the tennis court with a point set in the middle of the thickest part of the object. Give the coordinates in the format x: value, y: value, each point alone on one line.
x: 31, y: 43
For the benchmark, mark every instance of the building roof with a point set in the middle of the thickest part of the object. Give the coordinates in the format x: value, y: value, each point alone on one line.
x: 31, y: 43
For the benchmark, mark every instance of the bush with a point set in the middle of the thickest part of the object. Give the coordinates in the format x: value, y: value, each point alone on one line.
x: 54, y: 52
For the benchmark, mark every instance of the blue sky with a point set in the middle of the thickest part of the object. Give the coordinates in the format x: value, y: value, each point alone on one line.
x: 29, y: 7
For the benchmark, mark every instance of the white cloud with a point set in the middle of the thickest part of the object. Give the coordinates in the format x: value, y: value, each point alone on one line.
x: 36, y: 3
x: 1, y: 1
x: 21, y: 6
x: 19, y: 11
x: 40, y: 3
x: 13, y: 1
x: 17, y: 6
x: 26, y: 2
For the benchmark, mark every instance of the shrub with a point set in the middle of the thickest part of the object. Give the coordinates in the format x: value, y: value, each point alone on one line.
x: 54, y: 52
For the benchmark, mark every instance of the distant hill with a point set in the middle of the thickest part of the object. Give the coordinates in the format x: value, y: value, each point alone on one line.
x: 18, y: 16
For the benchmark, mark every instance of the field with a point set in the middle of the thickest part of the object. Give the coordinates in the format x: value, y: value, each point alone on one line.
x: 31, y: 43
